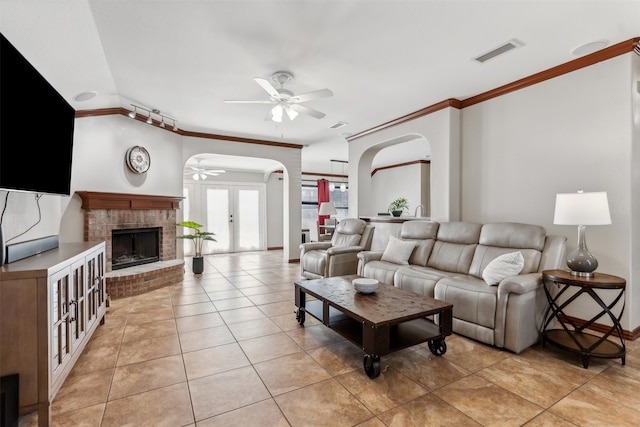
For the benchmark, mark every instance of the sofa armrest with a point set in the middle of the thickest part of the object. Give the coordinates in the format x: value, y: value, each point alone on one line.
x: 312, y: 246
x: 343, y: 250
x: 520, y: 284
x: 368, y: 256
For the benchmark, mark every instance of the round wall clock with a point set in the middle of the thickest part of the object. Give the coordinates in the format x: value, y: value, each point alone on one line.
x: 138, y: 159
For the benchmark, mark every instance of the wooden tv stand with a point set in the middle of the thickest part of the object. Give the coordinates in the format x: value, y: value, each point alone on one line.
x: 50, y: 305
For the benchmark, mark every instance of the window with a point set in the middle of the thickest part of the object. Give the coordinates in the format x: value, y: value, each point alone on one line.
x: 310, y: 203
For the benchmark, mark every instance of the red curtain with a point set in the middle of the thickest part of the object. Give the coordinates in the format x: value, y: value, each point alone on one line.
x: 323, y: 196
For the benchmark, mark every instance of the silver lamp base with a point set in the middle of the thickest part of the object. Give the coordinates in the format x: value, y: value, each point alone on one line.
x: 580, y: 261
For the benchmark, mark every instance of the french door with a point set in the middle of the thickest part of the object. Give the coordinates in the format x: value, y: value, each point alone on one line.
x: 235, y: 213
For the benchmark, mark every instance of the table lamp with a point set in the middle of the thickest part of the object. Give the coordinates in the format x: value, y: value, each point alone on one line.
x: 582, y: 209
x: 327, y: 208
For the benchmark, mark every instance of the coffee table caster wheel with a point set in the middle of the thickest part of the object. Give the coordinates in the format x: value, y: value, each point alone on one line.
x: 437, y: 347
x: 372, y: 365
x: 300, y: 316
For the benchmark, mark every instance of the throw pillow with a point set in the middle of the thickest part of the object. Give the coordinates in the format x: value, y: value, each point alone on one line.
x: 398, y: 251
x: 504, y: 266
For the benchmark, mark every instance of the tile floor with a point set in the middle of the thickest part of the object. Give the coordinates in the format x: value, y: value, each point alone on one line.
x: 224, y: 349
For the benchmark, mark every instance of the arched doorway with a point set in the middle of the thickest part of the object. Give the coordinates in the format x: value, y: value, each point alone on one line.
x: 233, y: 197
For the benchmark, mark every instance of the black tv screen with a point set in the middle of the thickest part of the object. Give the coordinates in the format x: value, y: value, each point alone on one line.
x: 36, y: 128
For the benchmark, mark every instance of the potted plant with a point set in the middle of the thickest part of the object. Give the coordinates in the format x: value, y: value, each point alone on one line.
x: 398, y: 206
x: 198, y: 237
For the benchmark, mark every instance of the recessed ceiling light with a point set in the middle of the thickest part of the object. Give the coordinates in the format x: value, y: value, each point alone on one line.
x: 588, y: 48
x: 85, y: 96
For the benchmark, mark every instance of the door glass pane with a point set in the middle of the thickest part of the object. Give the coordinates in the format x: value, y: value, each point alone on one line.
x: 218, y: 220
x: 248, y: 220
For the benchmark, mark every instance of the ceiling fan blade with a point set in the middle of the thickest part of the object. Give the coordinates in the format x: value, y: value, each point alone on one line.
x: 264, y: 83
x: 232, y: 101
x: 309, y: 111
x: 214, y: 171
x: 291, y: 112
x: 303, y: 97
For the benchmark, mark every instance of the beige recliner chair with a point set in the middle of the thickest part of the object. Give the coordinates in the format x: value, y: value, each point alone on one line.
x: 338, y: 257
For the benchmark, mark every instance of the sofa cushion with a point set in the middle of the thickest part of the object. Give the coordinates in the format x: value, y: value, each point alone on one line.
x: 473, y: 301
x: 380, y: 270
x: 420, y: 280
x: 344, y: 240
x: 504, y: 266
x: 424, y: 233
x: 398, y: 251
x: 451, y: 257
x: 513, y: 235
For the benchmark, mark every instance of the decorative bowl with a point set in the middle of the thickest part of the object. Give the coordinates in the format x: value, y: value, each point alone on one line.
x: 365, y: 285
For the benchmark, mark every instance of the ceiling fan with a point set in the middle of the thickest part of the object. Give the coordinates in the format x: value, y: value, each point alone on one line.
x: 200, y: 173
x: 285, y: 100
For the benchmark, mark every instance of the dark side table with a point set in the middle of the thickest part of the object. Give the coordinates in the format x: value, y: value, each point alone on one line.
x: 562, y: 289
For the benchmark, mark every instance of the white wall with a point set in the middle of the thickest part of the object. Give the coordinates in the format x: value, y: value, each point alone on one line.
x: 565, y: 134
x: 392, y: 183
x: 100, y: 144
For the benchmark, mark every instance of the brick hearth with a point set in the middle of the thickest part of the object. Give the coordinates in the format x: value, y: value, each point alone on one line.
x: 104, y: 212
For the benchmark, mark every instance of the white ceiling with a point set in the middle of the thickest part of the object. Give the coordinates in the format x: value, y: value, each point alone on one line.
x: 382, y: 59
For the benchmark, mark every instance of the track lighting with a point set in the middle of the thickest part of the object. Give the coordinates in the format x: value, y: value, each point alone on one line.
x: 163, y: 117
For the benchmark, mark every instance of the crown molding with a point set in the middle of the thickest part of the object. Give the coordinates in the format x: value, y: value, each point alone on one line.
x: 576, y: 64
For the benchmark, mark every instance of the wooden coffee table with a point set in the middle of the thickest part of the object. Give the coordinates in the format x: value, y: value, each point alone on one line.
x: 381, y: 322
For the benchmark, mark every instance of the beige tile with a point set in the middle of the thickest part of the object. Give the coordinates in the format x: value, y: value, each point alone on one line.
x: 82, y: 390
x: 338, y: 358
x: 189, y: 299
x: 586, y: 407
x: 312, y: 336
x: 152, y: 348
x: 383, y: 393
x: 242, y: 315
x: 144, y: 376
x: 254, y: 328
x: 152, y: 315
x: 200, y: 321
x: 472, y: 355
x: 204, y: 338
x: 98, y: 355
x: 618, y: 384
x: 265, y: 413
x: 269, y: 347
x: 193, y: 309
x: 487, y: 403
x: 213, y: 360
x: 271, y: 297
x: 225, y: 294
x: 427, y: 410
x: 231, y: 303
x: 168, y: 406
x: 322, y: 404
x: 548, y: 419
x: 290, y: 373
x: 89, y: 416
x: 277, y: 308
x: 216, y: 394
x: 428, y: 370
x: 142, y: 331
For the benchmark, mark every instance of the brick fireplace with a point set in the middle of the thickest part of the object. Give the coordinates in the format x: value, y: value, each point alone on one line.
x: 105, y: 212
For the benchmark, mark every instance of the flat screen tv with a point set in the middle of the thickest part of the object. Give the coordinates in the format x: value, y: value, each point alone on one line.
x: 36, y: 128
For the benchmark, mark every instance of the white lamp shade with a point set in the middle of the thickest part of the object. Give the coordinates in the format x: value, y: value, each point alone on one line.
x: 327, y: 208
x: 582, y: 209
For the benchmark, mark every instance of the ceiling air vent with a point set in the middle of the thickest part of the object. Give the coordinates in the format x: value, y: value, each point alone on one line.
x: 338, y: 125
x: 510, y: 45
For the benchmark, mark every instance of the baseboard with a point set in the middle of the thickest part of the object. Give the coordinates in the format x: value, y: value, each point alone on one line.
x: 21, y: 250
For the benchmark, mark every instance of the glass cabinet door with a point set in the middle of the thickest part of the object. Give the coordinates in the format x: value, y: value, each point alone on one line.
x: 60, y: 345
x: 77, y: 307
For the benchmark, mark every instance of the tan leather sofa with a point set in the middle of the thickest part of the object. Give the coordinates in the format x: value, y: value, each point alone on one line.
x: 339, y: 256
x: 448, y: 263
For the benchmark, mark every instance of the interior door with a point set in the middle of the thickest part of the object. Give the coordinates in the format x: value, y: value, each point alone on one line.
x: 235, y: 213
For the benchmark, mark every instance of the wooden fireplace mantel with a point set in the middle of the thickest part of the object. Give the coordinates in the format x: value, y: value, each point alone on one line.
x: 99, y: 200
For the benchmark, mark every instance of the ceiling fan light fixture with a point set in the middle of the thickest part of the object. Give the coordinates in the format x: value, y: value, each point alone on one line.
x: 276, y: 113
x: 291, y: 113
